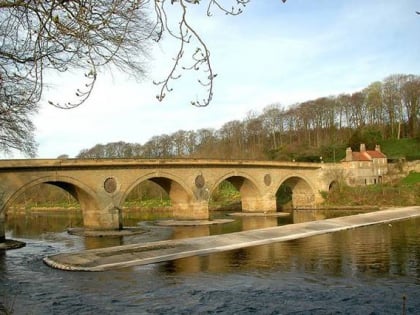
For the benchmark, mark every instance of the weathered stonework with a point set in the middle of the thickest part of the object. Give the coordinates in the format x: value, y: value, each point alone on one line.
x: 102, y: 185
x: 365, y: 167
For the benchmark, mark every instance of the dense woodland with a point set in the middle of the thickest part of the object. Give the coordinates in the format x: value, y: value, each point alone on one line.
x: 323, y: 127
x: 384, y: 112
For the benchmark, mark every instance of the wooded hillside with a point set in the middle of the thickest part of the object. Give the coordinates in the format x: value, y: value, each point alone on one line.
x: 323, y: 127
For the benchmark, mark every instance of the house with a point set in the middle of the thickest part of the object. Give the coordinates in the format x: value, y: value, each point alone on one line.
x: 366, y: 167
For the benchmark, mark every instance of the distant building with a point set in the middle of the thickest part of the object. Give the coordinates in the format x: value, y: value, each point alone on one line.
x: 366, y: 167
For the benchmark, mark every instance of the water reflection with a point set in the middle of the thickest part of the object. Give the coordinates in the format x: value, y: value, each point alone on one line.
x: 32, y: 225
x: 253, y: 223
x: 300, y: 216
x: 347, y: 253
x: 372, y: 249
x: 100, y: 242
x: 190, y: 231
x: 359, y: 271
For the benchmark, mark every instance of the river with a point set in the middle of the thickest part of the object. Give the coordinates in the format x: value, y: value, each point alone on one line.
x: 371, y: 270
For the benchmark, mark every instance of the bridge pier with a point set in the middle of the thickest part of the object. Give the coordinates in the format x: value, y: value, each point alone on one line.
x: 2, y: 227
x: 303, y: 200
x: 198, y: 210
x: 105, y: 219
x: 101, y: 185
x: 255, y: 204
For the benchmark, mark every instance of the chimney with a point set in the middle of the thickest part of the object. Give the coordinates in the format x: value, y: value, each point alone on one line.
x: 378, y: 148
x: 349, y: 155
x: 362, y: 147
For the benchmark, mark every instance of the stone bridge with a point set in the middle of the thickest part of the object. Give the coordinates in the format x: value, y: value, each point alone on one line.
x: 102, y: 185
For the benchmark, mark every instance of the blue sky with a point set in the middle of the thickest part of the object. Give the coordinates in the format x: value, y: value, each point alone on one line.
x: 272, y: 53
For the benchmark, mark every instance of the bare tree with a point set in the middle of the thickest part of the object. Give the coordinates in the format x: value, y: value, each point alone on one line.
x: 191, y: 42
x: 38, y: 36
x: 61, y: 35
x: 16, y: 128
x: 410, y: 93
x: 90, y: 35
x: 273, y: 123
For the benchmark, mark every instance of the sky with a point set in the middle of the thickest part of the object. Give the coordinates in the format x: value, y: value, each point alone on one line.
x: 273, y: 53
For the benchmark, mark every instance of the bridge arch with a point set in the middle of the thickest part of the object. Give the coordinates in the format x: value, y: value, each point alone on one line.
x: 80, y: 191
x: 303, y: 194
x: 247, y: 186
x: 181, y: 196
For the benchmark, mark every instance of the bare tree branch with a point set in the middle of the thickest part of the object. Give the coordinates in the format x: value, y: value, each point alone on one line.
x: 187, y: 35
x: 90, y: 36
x: 38, y: 36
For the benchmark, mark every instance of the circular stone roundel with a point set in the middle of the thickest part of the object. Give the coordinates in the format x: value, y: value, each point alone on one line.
x: 267, y: 179
x: 199, y: 181
x: 110, y: 185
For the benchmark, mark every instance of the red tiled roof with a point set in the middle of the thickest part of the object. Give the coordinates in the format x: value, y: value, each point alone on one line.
x: 360, y: 156
x: 376, y: 154
x: 367, y: 155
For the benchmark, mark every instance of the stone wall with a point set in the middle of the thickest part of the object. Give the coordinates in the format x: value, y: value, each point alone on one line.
x: 412, y: 166
x: 401, y: 169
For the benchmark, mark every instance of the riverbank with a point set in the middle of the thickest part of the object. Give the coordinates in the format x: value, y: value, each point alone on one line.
x: 166, y: 212
x: 147, y: 253
x: 403, y: 192
x: 399, y: 193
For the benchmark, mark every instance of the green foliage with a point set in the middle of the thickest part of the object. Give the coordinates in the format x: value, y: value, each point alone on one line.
x: 226, y: 192
x: 324, y: 194
x: 333, y: 153
x: 412, y: 157
x: 149, y: 203
x: 411, y: 179
x: 302, y: 132
x: 355, y: 140
x: 370, y: 136
x: 272, y: 154
x: 45, y: 195
x: 400, y: 148
x: 308, y: 158
x: 148, y: 195
x: 284, y: 195
x: 225, y: 197
x: 145, y: 195
x: 380, y: 195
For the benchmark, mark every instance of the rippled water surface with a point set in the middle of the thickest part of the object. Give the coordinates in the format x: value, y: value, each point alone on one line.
x: 361, y: 271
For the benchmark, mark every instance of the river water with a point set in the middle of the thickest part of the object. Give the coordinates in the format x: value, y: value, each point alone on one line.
x: 371, y: 270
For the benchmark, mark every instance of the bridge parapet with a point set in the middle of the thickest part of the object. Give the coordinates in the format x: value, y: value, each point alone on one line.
x: 102, y: 185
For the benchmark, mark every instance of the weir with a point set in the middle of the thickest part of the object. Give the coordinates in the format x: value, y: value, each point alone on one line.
x: 153, y: 252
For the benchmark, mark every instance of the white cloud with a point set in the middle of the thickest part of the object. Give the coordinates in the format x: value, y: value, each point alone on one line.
x: 273, y: 53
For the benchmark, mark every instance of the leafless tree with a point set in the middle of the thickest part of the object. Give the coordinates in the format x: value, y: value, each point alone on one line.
x: 39, y: 36
x: 190, y: 42
x: 16, y: 127
x: 89, y: 36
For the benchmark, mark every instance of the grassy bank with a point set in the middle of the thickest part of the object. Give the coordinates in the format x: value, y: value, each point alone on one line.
x: 151, y: 204
x: 404, y: 193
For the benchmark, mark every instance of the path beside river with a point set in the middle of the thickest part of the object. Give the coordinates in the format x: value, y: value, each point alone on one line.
x: 153, y: 252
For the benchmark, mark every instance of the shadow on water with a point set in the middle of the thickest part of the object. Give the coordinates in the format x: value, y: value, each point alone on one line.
x: 374, y: 250
x: 37, y: 225
x: 329, y: 252
x: 360, y: 271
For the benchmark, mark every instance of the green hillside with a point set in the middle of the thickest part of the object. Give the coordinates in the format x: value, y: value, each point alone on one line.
x: 403, y: 148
